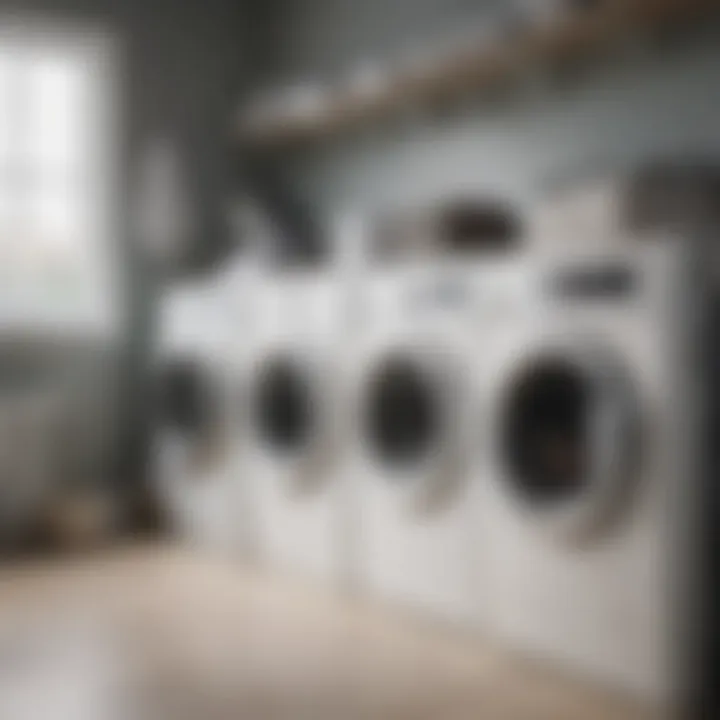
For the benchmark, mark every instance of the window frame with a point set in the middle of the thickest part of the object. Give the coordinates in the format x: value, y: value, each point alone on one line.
x: 99, y: 45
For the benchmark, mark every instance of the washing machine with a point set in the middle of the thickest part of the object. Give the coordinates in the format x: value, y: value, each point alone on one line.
x: 594, y: 389
x: 415, y: 375
x: 296, y: 415
x: 198, y: 423
x: 236, y: 287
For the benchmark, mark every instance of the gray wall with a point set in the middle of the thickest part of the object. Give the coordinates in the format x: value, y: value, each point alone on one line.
x: 653, y: 101
x: 183, y: 69
x: 309, y: 37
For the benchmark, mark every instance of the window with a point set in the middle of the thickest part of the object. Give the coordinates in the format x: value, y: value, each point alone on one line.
x: 55, y: 174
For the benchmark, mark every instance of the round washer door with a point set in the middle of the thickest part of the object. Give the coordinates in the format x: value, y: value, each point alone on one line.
x: 291, y: 409
x: 407, y: 427
x: 284, y: 408
x: 189, y: 402
x: 193, y: 478
x: 566, y: 438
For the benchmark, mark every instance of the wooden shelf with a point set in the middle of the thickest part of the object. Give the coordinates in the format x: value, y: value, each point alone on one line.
x: 560, y: 43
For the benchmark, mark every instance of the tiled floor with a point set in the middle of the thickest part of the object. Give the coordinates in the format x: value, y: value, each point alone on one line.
x: 155, y: 633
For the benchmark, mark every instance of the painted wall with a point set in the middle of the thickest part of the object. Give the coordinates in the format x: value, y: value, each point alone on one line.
x: 649, y: 102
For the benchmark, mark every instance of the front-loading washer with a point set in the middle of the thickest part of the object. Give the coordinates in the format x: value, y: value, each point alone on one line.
x: 236, y: 286
x: 296, y: 415
x: 410, y: 480
x: 197, y: 424
x: 416, y: 363
x: 595, y: 388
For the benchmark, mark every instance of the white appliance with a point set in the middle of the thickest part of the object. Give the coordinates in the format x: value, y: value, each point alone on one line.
x: 411, y: 477
x: 236, y: 286
x: 199, y: 430
x: 417, y: 353
x: 592, y: 386
x: 296, y: 416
